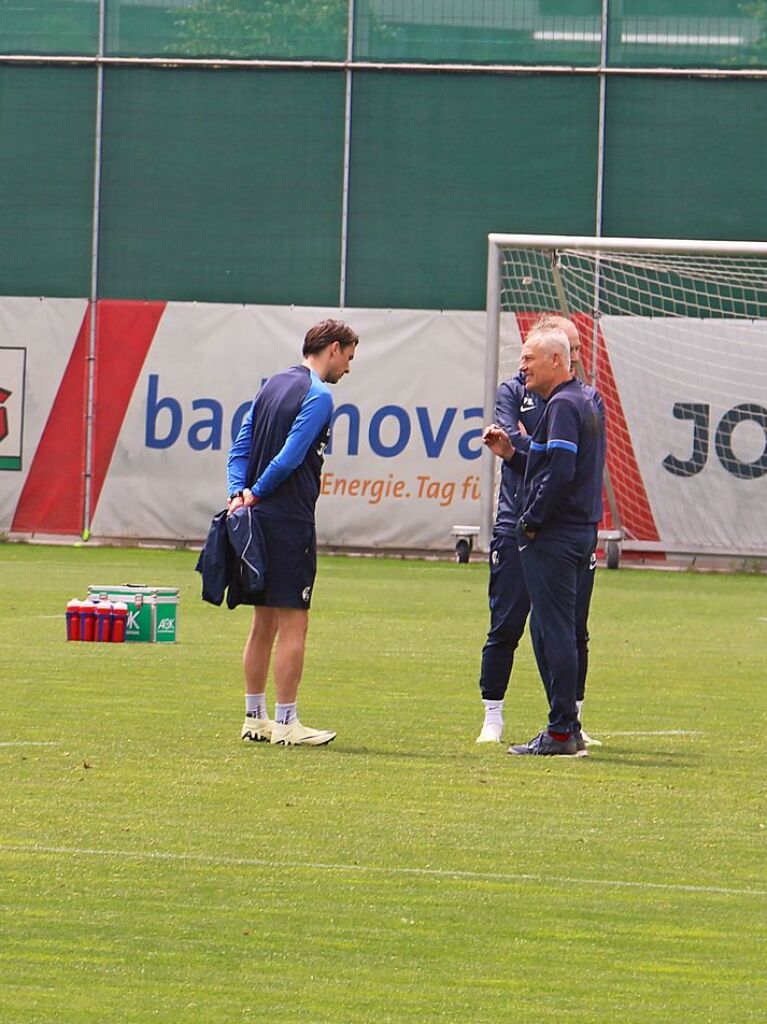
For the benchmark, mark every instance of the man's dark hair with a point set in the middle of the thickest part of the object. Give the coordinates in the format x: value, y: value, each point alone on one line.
x: 325, y: 333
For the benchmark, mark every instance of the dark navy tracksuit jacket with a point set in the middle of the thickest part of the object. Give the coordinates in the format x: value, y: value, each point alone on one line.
x: 562, y: 503
x: 279, y: 450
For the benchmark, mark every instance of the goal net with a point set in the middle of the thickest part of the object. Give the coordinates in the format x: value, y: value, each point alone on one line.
x: 674, y: 337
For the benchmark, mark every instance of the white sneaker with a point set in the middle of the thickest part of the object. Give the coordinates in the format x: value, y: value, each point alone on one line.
x: 259, y: 730
x: 490, y: 734
x: 297, y: 735
x: 589, y: 740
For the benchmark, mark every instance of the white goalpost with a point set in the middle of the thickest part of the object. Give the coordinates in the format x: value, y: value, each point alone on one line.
x: 674, y: 337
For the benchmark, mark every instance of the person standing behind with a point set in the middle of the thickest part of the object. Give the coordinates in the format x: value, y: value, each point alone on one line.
x: 274, y: 466
x: 561, y: 507
x: 517, y: 411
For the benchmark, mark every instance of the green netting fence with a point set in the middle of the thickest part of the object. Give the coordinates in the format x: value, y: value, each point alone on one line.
x: 371, y: 159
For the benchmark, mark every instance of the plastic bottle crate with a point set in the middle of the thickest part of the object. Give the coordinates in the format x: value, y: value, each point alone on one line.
x: 152, y: 611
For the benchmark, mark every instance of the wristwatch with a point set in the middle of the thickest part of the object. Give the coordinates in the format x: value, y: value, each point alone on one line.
x: 235, y: 494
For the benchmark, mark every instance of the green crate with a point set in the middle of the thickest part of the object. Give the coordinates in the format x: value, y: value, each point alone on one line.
x: 152, y: 611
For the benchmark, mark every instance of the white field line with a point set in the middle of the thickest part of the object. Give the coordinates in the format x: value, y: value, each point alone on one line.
x: 285, y: 865
x: 29, y: 743
x: 659, y: 732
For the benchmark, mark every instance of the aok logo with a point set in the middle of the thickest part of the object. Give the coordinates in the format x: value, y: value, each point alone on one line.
x: 12, y: 372
x: 167, y: 625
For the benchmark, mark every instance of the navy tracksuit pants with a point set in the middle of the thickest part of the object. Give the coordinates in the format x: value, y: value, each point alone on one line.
x: 558, y: 569
x: 583, y: 604
x: 509, y: 608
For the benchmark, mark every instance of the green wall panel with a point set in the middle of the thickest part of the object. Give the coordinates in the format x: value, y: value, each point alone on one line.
x: 47, y: 117
x: 49, y: 26
x: 686, y: 159
x: 227, y: 185
x: 641, y: 33
x: 448, y: 31
x: 222, y: 185
x: 288, y: 29
x: 687, y: 33
x: 438, y: 161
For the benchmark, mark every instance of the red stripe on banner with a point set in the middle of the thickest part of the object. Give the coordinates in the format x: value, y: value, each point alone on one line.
x: 51, y: 500
x: 634, y: 509
x: 636, y: 515
x: 124, y: 336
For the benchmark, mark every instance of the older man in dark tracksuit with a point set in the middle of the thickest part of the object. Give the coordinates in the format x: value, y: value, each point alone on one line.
x: 561, y: 507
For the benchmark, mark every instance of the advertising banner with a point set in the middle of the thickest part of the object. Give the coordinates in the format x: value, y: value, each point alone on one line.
x: 43, y: 387
x: 686, y: 406
x: 694, y: 397
x: 401, y: 468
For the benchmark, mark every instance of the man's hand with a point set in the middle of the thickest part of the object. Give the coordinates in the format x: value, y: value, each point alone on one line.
x: 233, y: 504
x: 529, y: 531
x: 497, y: 440
x: 245, y: 500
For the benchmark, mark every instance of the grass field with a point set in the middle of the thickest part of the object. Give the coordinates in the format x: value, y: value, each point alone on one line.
x: 155, y: 868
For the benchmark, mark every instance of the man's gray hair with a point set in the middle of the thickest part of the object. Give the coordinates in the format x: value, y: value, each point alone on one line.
x: 551, y: 340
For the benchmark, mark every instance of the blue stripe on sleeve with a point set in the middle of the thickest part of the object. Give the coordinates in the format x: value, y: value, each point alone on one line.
x: 536, y: 446
x: 567, y: 445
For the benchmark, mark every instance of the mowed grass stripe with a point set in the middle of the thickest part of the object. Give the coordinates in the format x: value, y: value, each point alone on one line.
x: 442, y: 873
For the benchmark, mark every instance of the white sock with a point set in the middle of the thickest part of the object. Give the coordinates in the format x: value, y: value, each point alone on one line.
x: 579, y: 708
x: 285, y: 713
x: 493, y: 712
x: 255, y: 704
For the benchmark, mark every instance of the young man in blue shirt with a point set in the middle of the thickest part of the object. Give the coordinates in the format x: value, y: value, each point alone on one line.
x: 274, y: 466
x: 556, y: 533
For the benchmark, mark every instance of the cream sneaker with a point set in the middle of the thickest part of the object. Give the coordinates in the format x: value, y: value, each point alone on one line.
x: 259, y: 730
x: 297, y: 735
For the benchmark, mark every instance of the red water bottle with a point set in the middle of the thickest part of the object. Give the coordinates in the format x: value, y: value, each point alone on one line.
x: 103, y: 622
x: 119, y: 621
x: 73, y: 619
x: 88, y: 621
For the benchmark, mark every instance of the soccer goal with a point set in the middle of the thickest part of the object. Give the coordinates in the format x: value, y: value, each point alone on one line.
x: 674, y: 337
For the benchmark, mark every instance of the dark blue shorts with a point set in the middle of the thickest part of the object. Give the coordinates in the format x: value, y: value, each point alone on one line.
x: 291, y: 563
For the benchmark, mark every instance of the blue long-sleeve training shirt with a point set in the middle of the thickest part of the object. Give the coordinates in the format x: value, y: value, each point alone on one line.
x: 564, y: 463
x: 278, y: 452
